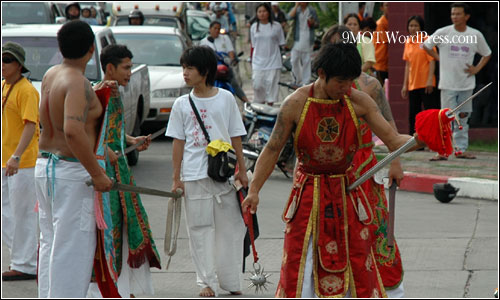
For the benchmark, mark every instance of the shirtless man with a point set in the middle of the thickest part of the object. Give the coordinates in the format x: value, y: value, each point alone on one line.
x: 70, y: 114
x: 326, y: 139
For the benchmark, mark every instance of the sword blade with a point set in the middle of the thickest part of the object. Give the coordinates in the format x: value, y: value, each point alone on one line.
x: 471, y: 97
x: 392, y: 214
x: 140, y: 190
x: 382, y: 163
x: 133, y: 147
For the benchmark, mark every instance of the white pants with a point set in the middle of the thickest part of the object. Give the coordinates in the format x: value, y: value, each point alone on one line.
x: 19, y: 219
x: 130, y: 281
x: 67, y: 229
x: 265, y: 85
x: 216, y: 231
x: 308, y: 283
x: 301, y: 66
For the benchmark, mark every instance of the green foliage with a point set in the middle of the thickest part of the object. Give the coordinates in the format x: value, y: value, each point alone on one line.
x: 490, y: 146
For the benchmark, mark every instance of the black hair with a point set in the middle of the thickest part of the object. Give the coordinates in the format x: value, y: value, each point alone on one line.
x: 368, y: 22
x: 417, y: 18
x: 361, y: 4
x: 343, y: 31
x: 114, y: 54
x: 203, y: 58
x: 352, y: 16
x: 214, y: 23
x: 75, y: 39
x: 269, y: 11
x: 465, y: 6
x: 338, y: 60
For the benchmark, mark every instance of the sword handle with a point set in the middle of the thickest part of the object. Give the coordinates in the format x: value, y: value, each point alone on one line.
x: 392, y: 213
x: 179, y: 192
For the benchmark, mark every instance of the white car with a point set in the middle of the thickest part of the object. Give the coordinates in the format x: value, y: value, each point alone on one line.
x: 42, y: 52
x: 160, y: 48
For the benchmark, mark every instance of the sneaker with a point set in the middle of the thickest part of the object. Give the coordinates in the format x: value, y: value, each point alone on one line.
x: 16, y: 275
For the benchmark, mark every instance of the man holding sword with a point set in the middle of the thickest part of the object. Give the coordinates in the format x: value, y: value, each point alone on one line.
x: 132, y: 239
x: 329, y: 235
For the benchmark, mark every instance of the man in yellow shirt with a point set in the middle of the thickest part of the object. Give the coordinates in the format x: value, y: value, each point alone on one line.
x: 20, y: 134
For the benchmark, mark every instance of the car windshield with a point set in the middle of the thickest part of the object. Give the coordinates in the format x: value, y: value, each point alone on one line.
x: 153, y: 49
x: 43, y: 53
x: 25, y: 13
x: 151, y: 20
x: 198, y: 27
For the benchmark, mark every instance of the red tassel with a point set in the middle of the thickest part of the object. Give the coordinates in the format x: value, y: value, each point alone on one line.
x: 99, y: 216
x: 433, y: 128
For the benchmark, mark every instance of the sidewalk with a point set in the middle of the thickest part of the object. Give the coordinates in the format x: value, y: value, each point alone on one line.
x: 476, y: 178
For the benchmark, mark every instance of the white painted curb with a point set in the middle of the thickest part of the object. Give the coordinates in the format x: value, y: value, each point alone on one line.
x: 475, y: 187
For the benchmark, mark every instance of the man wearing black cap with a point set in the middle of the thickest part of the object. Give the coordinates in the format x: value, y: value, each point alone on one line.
x: 73, y: 11
x: 20, y: 133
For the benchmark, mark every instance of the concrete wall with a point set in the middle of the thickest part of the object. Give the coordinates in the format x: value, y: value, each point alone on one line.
x: 399, y: 12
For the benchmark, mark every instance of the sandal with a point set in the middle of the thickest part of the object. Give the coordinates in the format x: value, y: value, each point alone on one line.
x: 16, y: 275
x: 438, y: 157
x: 464, y: 155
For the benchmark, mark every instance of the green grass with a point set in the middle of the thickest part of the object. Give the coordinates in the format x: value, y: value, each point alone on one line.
x: 483, y: 146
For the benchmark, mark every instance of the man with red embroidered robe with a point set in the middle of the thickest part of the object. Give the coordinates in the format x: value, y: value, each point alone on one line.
x: 329, y: 237
x: 388, y: 258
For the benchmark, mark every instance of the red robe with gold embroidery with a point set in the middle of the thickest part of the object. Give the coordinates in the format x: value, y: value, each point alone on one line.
x: 319, y: 208
x: 388, y: 259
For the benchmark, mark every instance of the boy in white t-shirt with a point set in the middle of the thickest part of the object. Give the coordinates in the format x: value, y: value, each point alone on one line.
x: 213, y: 217
x: 458, y: 43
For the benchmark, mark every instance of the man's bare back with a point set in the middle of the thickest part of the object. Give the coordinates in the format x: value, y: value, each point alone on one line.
x: 67, y: 97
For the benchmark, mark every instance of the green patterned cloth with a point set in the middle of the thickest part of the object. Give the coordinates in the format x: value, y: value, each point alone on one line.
x: 127, y: 207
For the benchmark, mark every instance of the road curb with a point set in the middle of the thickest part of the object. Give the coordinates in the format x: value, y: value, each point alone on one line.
x: 469, y: 187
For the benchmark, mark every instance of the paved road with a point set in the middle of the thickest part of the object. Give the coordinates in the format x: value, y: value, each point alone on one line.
x: 448, y: 250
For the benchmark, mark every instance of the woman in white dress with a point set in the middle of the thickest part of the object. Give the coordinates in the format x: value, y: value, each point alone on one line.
x: 266, y: 36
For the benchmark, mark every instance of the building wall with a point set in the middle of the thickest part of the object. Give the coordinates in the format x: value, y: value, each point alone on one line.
x: 399, y: 12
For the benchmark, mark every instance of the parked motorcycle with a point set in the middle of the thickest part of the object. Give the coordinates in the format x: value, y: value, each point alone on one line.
x: 224, y: 75
x: 259, y: 122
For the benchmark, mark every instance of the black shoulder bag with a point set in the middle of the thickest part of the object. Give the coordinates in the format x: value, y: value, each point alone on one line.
x: 222, y: 166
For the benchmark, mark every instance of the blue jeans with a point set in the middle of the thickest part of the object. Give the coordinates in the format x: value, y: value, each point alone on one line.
x: 451, y: 99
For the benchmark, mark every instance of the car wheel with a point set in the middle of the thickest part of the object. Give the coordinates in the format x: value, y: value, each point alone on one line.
x: 133, y: 157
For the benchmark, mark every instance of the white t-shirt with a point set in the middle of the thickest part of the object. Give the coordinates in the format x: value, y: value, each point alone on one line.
x: 222, y: 43
x: 222, y: 119
x: 303, y: 44
x: 266, y: 42
x: 456, y: 49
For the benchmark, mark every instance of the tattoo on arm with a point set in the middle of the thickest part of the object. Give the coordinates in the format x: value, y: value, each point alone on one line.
x: 89, y: 92
x: 382, y: 102
x: 277, y: 134
x: 88, y: 100
x: 281, y: 129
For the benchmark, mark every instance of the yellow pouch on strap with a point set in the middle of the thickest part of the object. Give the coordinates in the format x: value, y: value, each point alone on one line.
x: 217, y: 146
